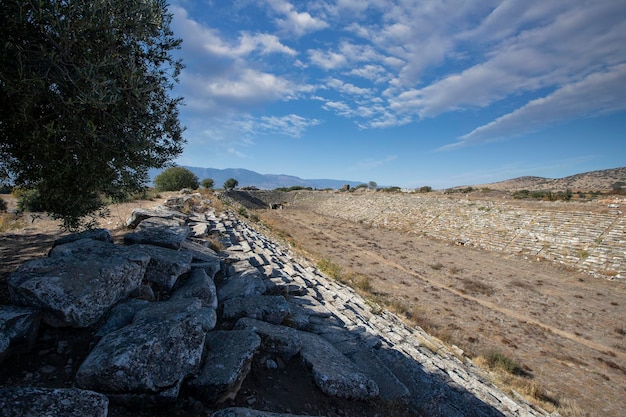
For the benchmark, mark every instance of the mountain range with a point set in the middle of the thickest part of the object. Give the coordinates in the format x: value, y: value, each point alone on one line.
x: 247, y: 178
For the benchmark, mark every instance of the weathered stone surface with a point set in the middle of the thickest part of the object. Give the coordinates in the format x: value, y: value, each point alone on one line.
x: 270, y: 308
x: 59, y: 402
x: 248, y: 412
x: 198, y: 285
x: 159, y: 232
x: 227, y: 363
x: 281, y: 340
x: 166, y: 265
x: 333, y: 373
x: 79, y: 282
x: 244, y: 284
x: 121, y: 315
x: 203, y: 256
x: 19, y: 325
x: 139, y: 214
x: 96, y: 234
x: 149, y: 359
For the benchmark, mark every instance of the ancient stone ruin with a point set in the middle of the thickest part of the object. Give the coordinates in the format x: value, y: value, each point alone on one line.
x: 171, y: 317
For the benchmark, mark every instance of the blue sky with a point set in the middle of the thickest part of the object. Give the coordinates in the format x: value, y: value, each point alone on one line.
x: 406, y: 93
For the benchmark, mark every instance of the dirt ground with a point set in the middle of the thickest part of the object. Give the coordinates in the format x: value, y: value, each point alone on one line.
x: 566, y: 330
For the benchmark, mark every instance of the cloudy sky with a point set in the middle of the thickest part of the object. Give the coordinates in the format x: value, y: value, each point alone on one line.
x: 404, y: 92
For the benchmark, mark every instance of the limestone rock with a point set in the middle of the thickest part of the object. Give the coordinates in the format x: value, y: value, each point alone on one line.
x: 52, y: 402
x: 198, y: 285
x: 159, y: 232
x: 244, y: 284
x: 228, y: 361
x: 203, y: 257
x: 79, y: 282
x: 270, y: 308
x: 139, y: 214
x: 19, y: 325
x: 166, y: 265
x: 284, y: 341
x: 121, y: 315
x: 149, y: 359
x: 333, y: 373
x: 96, y: 234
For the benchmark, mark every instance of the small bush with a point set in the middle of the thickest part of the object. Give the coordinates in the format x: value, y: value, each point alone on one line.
x: 175, y: 179
x: 329, y: 268
x: 498, y: 360
x: 3, y: 205
x: 29, y: 200
x: 243, y: 212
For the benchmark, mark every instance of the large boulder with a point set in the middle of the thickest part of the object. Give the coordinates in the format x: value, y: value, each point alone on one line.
x: 166, y: 265
x: 18, y: 328
x: 270, y: 308
x: 246, y: 283
x: 149, y: 359
x: 140, y: 214
x: 79, y: 282
x: 228, y: 360
x: 52, y: 402
x: 159, y: 232
x: 334, y: 373
x: 198, y: 285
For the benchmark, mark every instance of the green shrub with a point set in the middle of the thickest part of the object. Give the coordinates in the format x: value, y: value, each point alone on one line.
x: 28, y: 200
x: 330, y: 268
x: 176, y: 178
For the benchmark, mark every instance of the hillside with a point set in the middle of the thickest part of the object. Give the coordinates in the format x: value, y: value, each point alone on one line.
x: 602, y: 180
x: 247, y: 178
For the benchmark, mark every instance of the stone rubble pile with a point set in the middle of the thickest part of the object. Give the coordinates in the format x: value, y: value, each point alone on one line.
x: 171, y: 315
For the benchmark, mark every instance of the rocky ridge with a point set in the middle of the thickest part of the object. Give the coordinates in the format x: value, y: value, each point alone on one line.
x: 173, y: 318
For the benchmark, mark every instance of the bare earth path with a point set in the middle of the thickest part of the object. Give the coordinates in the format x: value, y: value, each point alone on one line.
x: 567, y: 329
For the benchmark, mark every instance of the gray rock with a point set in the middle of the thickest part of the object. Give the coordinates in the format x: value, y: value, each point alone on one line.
x: 52, y: 402
x: 248, y: 412
x: 244, y: 284
x: 334, y: 373
x: 121, y: 315
x: 281, y: 340
x: 95, y: 234
x: 159, y: 232
x: 203, y: 256
x: 228, y: 360
x: 270, y: 308
x: 4, y: 347
x: 79, y: 282
x: 139, y: 214
x: 19, y: 325
x: 166, y: 265
x: 149, y: 359
x: 198, y: 285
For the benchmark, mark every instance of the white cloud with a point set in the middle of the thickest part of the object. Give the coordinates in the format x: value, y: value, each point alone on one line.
x: 599, y: 93
x: 289, y: 125
x: 347, y: 88
x: 294, y: 22
x: 327, y: 60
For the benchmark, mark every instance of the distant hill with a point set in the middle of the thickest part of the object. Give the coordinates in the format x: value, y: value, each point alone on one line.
x: 602, y: 180
x: 248, y: 178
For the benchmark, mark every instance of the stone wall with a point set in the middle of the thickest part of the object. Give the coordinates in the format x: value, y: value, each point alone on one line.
x: 577, y: 235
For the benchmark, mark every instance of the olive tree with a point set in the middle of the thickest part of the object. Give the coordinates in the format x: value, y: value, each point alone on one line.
x: 230, y: 184
x: 208, y: 183
x: 176, y: 178
x: 85, y: 108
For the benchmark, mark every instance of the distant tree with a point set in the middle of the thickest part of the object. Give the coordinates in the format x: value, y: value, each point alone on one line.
x: 84, y: 104
x: 230, y: 184
x: 372, y: 184
x: 176, y: 178
x: 426, y: 189
x: 208, y: 183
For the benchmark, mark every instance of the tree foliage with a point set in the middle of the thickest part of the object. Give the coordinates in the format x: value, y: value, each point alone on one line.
x: 230, y: 184
x: 176, y: 178
x: 85, y: 109
x: 208, y: 183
